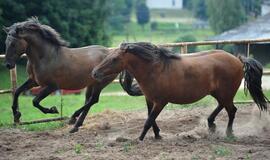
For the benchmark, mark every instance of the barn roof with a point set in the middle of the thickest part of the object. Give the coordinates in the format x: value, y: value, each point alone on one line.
x: 256, y: 29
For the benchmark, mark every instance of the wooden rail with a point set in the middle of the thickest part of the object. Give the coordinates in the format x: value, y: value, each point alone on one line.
x: 183, y: 47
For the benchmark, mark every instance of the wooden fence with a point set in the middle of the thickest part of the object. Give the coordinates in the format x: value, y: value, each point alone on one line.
x: 183, y: 47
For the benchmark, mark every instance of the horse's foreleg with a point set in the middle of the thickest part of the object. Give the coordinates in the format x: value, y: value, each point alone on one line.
x: 151, y: 119
x: 76, y: 114
x: 25, y: 86
x: 155, y: 126
x: 43, y: 94
x: 94, y: 99
x: 212, y: 117
x: 231, y: 110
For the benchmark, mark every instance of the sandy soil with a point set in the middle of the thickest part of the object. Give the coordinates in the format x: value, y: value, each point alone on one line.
x: 112, y: 135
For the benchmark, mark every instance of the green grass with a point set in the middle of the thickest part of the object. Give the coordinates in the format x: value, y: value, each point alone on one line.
x: 222, y: 151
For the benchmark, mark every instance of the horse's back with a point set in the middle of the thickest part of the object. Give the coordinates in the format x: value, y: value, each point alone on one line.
x: 226, y: 72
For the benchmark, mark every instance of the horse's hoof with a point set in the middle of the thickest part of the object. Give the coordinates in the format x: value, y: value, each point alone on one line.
x: 73, y: 130
x: 158, y: 137
x: 54, y: 110
x: 141, y: 138
x: 72, y: 121
x: 212, y: 128
x: 229, y: 133
x: 17, y: 117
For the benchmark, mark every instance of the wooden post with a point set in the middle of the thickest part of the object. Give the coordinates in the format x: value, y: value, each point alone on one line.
x: 184, y: 49
x: 248, y: 46
x: 13, y: 79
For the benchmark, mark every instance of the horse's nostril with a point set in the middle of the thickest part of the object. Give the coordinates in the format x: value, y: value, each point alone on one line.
x: 94, y: 74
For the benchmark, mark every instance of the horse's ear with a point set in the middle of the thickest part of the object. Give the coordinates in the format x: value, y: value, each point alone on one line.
x: 126, y: 46
x: 33, y: 26
x: 5, y: 29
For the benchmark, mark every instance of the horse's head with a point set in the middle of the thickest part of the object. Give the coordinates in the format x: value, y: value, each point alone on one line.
x: 114, y: 63
x: 15, y: 45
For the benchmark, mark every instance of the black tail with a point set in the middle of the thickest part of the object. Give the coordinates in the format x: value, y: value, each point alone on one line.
x: 253, y: 72
x: 126, y: 80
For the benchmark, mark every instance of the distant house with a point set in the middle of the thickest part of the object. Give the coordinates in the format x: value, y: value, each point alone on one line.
x: 265, y: 7
x: 165, y: 4
x: 257, y: 29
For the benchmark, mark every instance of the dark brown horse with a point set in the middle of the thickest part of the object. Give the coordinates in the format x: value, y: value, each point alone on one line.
x: 53, y: 66
x: 165, y: 77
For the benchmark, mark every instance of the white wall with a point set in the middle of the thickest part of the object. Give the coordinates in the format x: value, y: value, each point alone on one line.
x: 265, y: 9
x: 165, y: 4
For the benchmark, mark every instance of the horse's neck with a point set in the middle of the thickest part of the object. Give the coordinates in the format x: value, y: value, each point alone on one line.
x: 40, y: 53
x: 141, y: 70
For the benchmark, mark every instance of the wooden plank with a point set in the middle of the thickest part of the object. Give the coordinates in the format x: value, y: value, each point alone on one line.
x: 43, y: 120
x: 214, y: 42
x: 243, y: 102
x: 5, y: 91
x: 2, y: 56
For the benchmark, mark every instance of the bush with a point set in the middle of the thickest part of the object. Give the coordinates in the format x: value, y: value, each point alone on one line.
x: 154, y: 26
x: 186, y: 38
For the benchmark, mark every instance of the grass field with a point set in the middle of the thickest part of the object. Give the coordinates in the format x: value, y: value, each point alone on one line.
x: 165, y: 33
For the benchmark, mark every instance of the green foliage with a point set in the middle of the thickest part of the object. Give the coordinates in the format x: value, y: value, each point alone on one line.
x: 80, y: 22
x: 225, y: 14
x: 142, y: 13
x: 120, y: 14
x: 198, y: 7
x: 186, y: 38
x: 78, y: 148
x: 252, y: 7
x: 222, y: 151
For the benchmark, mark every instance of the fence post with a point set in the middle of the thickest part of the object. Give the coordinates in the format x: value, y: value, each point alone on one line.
x: 13, y: 79
x: 248, y: 47
x: 184, y: 49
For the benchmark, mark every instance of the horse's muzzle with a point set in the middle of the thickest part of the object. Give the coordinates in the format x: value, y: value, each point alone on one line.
x: 9, y: 65
x: 97, y: 75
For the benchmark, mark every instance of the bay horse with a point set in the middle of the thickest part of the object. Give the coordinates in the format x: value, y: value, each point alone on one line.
x: 165, y: 77
x: 52, y: 65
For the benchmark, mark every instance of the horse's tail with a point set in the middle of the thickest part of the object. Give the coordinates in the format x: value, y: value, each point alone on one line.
x: 126, y: 79
x: 253, y: 71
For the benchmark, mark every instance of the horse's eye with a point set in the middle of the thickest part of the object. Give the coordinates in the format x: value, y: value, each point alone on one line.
x: 114, y: 60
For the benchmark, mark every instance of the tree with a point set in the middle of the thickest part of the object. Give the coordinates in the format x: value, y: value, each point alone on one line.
x: 120, y: 14
x: 142, y: 13
x: 80, y: 22
x: 252, y: 7
x: 225, y: 14
x: 199, y: 9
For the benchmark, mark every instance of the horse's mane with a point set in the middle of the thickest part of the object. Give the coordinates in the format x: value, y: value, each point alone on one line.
x: 149, y: 51
x: 46, y: 31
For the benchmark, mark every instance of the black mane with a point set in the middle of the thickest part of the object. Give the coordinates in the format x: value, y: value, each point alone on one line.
x: 149, y: 51
x: 46, y: 31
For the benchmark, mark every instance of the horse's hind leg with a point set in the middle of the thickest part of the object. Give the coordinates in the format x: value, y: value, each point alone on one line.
x: 43, y: 94
x: 25, y: 86
x: 94, y: 99
x: 212, y: 117
x: 155, y: 126
x: 231, y: 110
x: 76, y: 114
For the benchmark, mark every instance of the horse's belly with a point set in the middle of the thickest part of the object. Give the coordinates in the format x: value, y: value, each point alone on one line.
x: 187, y: 99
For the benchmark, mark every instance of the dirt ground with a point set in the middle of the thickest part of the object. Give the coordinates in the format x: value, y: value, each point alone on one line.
x: 112, y: 135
